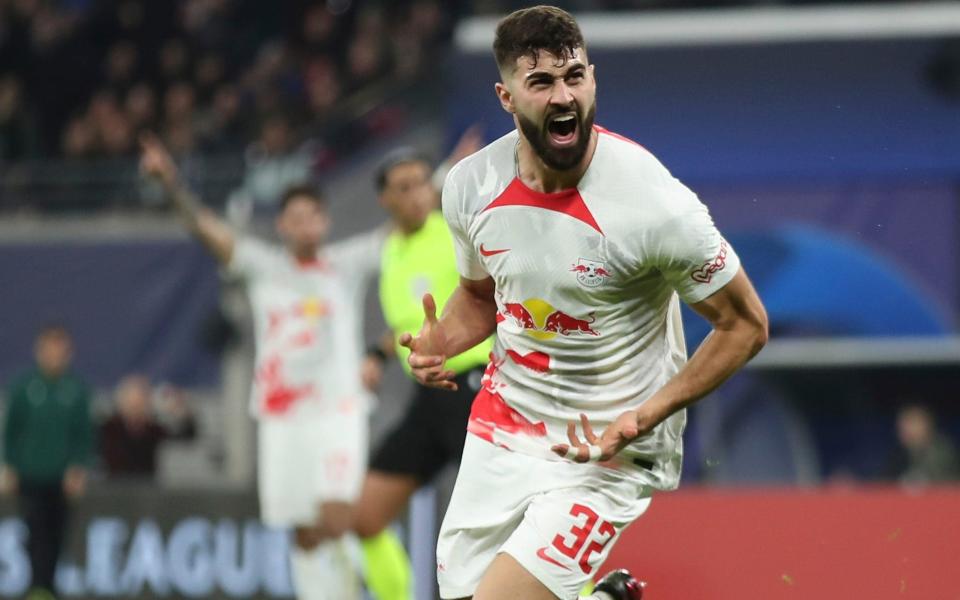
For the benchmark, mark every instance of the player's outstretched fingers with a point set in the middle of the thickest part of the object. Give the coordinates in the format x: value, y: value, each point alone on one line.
x: 406, y: 340
x: 430, y: 308
x: 588, y: 433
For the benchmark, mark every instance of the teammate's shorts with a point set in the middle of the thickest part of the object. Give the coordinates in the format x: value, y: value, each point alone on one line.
x: 558, y: 519
x: 308, y: 459
x: 430, y: 434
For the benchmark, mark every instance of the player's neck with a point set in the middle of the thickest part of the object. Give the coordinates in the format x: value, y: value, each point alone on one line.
x: 304, y: 255
x: 538, y: 176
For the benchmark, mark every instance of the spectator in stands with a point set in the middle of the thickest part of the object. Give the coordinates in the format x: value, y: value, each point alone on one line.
x: 79, y: 139
x: 322, y: 87
x: 208, y: 76
x: 274, y: 163
x: 139, y: 53
x: 19, y: 138
x: 47, y: 441
x: 120, y: 66
x: 174, y: 61
x: 365, y: 62
x: 925, y: 454
x: 140, y: 106
x: 222, y: 126
x: 132, y: 435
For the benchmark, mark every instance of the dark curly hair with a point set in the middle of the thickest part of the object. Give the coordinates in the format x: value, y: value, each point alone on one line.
x: 301, y: 190
x: 528, y: 31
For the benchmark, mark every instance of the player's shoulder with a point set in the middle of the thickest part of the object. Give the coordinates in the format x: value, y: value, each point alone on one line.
x: 254, y: 244
x: 485, y: 169
x: 626, y: 170
x: 626, y: 157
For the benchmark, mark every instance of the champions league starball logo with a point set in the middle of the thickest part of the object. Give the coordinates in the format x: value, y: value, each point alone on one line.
x: 590, y: 272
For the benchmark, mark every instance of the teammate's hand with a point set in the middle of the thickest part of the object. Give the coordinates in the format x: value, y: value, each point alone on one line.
x: 614, y: 438
x: 156, y: 162
x: 9, y: 482
x: 427, y: 357
x: 75, y: 482
x: 371, y: 373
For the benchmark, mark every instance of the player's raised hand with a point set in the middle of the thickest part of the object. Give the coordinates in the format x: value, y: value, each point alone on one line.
x: 427, y: 354
x: 156, y: 162
x: 614, y: 438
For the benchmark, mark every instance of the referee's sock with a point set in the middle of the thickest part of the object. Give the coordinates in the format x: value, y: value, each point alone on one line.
x: 387, y: 567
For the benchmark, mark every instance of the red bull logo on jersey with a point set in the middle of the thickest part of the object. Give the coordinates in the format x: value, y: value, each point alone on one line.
x: 590, y: 273
x: 310, y: 309
x: 541, y: 320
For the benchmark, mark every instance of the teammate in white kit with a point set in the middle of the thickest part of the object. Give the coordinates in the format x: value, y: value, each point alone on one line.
x: 574, y: 245
x: 307, y: 396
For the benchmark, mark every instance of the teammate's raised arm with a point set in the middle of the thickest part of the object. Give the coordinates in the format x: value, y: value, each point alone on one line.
x: 213, y: 232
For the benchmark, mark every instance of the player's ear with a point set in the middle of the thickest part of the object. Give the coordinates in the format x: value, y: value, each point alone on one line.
x: 505, y: 97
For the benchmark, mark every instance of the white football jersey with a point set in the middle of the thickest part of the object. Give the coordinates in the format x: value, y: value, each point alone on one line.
x: 587, y: 285
x: 307, y: 323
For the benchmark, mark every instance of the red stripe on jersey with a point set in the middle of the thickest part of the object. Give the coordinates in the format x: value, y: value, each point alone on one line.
x: 535, y: 361
x: 568, y: 202
x: 491, y: 412
x: 311, y: 264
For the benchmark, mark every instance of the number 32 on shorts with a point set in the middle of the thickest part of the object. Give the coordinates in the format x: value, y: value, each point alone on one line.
x: 571, y: 545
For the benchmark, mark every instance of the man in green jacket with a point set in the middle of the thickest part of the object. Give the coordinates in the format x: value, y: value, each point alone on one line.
x: 47, y: 445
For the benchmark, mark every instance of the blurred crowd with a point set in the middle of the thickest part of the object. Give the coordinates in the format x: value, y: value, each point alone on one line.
x: 81, y: 78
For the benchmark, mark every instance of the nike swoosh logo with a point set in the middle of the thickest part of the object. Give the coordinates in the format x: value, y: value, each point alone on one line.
x: 486, y: 252
x: 542, y: 553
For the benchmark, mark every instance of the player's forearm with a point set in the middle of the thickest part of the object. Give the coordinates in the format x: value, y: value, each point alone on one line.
x: 720, y: 355
x: 201, y: 221
x: 468, y: 319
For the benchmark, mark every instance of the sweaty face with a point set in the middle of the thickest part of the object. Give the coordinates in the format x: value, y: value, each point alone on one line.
x: 408, y: 194
x: 554, y: 101
x: 302, y: 225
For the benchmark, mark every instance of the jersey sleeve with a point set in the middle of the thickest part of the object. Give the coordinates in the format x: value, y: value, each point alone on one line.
x: 452, y: 201
x: 689, y: 251
x: 359, y: 254
x: 251, y: 258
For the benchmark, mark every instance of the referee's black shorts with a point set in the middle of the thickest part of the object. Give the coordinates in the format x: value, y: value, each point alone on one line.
x: 431, y: 433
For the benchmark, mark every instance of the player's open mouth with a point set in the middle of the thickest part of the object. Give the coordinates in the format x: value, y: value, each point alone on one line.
x: 562, y: 129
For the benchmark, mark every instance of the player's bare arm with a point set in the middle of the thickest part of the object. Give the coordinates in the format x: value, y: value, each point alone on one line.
x: 469, y: 317
x: 739, y: 324
x: 213, y: 232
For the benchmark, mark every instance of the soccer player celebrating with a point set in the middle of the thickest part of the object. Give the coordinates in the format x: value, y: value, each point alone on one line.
x: 307, y: 395
x: 575, y: 246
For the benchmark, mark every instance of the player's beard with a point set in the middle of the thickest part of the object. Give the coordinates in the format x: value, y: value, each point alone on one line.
x: 558, y: 159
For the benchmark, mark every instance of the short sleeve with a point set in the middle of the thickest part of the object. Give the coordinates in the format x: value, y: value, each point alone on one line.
x: 251, y: 258
x: 359, y: 254
x: 690, y: 252
x: 468, y: 263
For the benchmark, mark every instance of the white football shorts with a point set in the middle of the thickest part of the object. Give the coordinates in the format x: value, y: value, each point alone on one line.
x: 558, y: 519
x: 306, y: 459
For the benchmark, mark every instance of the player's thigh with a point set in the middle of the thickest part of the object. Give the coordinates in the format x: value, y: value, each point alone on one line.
x: 568, y: 532
x: 285, y: 475
x: 339, y: 446
x: 382, y: 499
x: 306, y: 461
x: 507, y: 579
x: 493, y: 488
